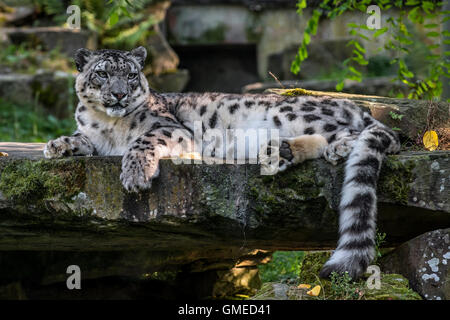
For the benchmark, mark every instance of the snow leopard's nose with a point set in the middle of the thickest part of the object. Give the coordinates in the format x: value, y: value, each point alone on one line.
x: 119, y: 95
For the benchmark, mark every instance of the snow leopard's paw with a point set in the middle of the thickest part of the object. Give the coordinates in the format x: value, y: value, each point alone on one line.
x: 298, y: 149
x: 58, y: 148
x: 339, y: 149
x: 138, y: 172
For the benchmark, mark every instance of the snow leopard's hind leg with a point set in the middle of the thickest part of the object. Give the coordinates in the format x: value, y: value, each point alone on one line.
x: 298, y: 149
x: 358, y: 205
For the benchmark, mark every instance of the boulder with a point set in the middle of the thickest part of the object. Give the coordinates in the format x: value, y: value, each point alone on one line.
x: 425, y: 261
x: 392, y: 286
x: 173, y: 81
x: 66, y: 39
x: 52, y: 91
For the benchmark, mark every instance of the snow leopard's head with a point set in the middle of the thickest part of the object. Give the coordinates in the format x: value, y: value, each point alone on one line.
x: 111, y: 81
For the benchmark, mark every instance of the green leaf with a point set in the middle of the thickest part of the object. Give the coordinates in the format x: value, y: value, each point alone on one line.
x: 301, y: 4
x: 407, y: 73
x: 352, y: 25
x: 431, y: 26
x: 125, y: 12
x: 340, y: 86
x: 114, y: 18
x: 412, y: 2
x: 433, y: 34
x: 381, y: 31
x: 306, y: 38
x: 352, y: 69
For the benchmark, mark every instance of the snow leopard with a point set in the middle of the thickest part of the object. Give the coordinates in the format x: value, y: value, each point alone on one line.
x: 119, y: 114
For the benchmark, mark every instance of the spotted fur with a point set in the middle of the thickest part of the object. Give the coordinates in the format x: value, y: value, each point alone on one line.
x: 119, y: 114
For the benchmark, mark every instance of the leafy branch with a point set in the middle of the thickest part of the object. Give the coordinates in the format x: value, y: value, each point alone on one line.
x: 399, y: 41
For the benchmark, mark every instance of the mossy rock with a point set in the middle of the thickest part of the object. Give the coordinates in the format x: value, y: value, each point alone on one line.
x: 393, y: 286
x: 25, y: 181
x: 311, y: 265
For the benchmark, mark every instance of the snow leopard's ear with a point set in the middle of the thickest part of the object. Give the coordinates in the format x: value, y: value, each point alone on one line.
x: 82, y: 56
x: 139, y: 53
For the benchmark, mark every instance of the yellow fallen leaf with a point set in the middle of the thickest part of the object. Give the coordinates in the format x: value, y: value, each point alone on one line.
x: 430, y: 140
x: 314, y: 291
x: 191, y: 155
x: 304, y: 286
x: 3, y: 154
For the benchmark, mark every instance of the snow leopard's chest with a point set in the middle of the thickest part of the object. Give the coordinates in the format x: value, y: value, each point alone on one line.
x: 113, y: 136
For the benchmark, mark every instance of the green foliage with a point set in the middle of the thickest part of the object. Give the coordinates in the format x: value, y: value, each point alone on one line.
x: 343, y: 287
x: 27, y: 123
x: 27, y: 58
x: 380, y: 238
x: 284, y: 265
x: 395, y: 116
x: 121, y: 24
x: 400, y: 40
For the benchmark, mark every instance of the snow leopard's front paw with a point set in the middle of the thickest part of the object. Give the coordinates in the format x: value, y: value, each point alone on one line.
x: 58, y: 148
x: 138, y: 172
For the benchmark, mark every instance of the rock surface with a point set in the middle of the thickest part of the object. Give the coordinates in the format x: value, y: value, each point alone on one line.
x: 194, y: 234
x: 212, y: 204
x: 53, y: 91
x: 66, y: 39
x: 425, y: 261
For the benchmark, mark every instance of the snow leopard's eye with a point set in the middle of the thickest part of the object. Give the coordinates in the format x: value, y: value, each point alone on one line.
x: 102, y: 74
x: 132, y: 76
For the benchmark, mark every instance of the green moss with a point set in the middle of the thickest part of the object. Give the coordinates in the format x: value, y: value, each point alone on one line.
x: 288, y: 192
x: 311, y: 265
x: 296, y: 184
x: 396, y: 178
x: 295, y: 92
x: 393, y: 286
x: 27, y: 180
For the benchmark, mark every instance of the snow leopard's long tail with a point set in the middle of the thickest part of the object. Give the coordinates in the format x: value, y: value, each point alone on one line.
x: 358, y: 206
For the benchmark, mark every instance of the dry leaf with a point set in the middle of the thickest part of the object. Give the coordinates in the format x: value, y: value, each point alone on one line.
x: 304, y: 286
x: 430, y: 140
x: 191, y: 155
x: 314, y: 291
x: 3, y: 154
